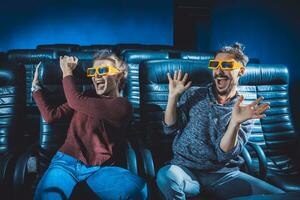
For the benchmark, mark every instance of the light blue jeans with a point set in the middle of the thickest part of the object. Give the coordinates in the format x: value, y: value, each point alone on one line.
x: 107, y: 182
x: 178, y: 182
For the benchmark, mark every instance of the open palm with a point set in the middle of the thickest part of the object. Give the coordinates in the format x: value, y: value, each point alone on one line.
x: 178, y: 84
x: 241, y: 113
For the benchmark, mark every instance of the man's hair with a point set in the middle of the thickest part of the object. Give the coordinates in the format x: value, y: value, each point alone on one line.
x: 236, y: 49
x: 107, y: 54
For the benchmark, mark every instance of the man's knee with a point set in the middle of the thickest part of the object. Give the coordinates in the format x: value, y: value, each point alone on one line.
x: 168, y: 176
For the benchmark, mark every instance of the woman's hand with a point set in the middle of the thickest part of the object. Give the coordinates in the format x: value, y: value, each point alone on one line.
x: 35, y: 80
x: 67, y: 64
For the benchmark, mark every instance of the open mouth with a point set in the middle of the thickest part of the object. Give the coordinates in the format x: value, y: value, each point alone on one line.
x: 100, y: 84
x: 222, y: 82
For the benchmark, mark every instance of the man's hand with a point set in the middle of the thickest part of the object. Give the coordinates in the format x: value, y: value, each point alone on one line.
x: 67, y: 64
x: 178, y: 84
x: 35, y: 80
x: 242, y: 113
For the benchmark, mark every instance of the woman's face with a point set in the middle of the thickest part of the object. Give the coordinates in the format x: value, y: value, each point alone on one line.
x: 105, y: 85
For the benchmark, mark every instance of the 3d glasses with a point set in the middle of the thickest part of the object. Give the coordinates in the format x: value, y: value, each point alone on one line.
x: 102, y: 70
x: 224, y: 64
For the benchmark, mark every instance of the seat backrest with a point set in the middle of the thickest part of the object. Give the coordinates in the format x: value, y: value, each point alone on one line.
x: 154, y: 96
x: 275, y: 133
x: 12, y: 107
x: 132, y: 90
x: 30, y: 58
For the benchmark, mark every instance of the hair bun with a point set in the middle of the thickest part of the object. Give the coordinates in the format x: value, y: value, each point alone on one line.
x: 238, y: 46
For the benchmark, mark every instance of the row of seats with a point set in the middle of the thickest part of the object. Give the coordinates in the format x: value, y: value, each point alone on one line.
x: 147, y: 90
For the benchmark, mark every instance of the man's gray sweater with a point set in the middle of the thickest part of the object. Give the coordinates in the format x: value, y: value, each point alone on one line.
x: 200, y: 126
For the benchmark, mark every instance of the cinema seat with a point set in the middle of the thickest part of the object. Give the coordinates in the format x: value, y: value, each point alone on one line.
x: 30, y: 58
x: 154, y: 94
x: 133, y: 58
x: 275, y: 134
x: 12, y: 115
x: 33, y: 163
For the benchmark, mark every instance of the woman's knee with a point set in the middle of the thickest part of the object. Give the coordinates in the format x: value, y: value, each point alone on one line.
x: 51, y: 184
x: 116, y: 183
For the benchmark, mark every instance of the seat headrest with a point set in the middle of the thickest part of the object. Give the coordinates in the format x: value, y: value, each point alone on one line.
x: 265, y: 74
x: 196, y: 55
x: 155, y: 71
x: 82, y: 55
x: 59, y: 47
x: 95, y: 48
x: 50, y: 72
x: 30, y: 55
x: 121, y: 48
x: 136, y: 56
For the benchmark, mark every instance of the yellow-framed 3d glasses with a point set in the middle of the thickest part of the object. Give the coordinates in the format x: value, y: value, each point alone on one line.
x: 101, y: 70
x: 224, y: 64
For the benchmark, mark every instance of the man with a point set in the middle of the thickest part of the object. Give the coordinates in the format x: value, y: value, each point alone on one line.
x: 212, y: 127
x: 95, y: 136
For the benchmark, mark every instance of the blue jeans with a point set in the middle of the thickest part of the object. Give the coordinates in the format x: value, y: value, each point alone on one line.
x: 107, y: 182
x: 177, y: 182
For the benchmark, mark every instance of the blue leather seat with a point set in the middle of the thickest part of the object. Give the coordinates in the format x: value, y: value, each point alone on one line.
x: 154, y: 94
x: 12, y: 115
x: 30, y: 58
x: 275, y: 134
x: 133, y: 58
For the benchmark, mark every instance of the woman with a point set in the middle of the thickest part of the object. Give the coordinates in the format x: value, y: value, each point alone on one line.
x: 95, y: 136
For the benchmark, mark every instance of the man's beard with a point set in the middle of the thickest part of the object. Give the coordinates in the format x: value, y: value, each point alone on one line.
x: 229, y: 88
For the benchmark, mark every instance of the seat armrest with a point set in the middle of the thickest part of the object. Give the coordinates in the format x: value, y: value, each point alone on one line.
x: 261, y: 158
x: 22, y: 168
x: 248, y: 161
x: 147, y: 160
x: 131, y: 160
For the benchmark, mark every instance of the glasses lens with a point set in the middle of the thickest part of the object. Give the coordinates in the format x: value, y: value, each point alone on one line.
x: 227, y: 65
x: 103, y: 70
x: 91, y: 71
x: 213, y: 64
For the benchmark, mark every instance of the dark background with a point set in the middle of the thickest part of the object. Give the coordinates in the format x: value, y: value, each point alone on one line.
x: 270, y: 30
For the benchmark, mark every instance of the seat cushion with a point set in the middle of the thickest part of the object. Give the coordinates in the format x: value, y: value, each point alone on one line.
x: 289, y: 183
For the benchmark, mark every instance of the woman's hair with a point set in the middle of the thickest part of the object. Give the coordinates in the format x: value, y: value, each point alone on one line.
x: 107, y: 54
x: 236, y: 49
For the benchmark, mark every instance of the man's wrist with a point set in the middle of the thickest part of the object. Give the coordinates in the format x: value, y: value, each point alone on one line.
x: 235, y: 123
x: 173, y: 97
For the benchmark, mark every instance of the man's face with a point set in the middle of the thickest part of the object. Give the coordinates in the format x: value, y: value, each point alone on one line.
x: 226, y: 81
x: 104, y: 85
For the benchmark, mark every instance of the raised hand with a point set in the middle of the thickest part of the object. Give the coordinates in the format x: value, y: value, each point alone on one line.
x: 67, y: 64
x: 35, y: 80
x: 241, y: 113
x: 178, y: 84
